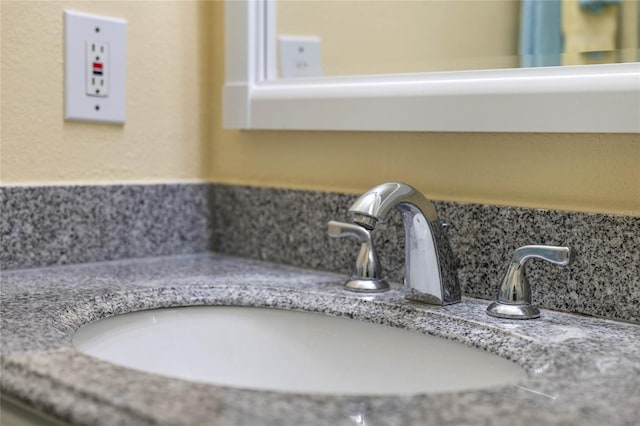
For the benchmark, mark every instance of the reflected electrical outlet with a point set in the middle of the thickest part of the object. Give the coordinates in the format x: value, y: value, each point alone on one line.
x: 300, y: 56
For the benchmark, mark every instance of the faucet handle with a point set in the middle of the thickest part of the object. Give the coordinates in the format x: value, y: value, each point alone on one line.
x: 514, y: 296
x: 367, y: 275
x: 341, y: 229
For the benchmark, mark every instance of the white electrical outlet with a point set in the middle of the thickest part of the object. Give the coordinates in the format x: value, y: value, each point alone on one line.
x: 300, y: 56
x: 95, y: 67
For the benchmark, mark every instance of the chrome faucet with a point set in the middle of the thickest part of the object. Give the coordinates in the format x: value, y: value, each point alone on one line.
x: 429, y: 273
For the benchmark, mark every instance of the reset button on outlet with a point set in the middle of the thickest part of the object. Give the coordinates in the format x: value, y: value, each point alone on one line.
x: 97, y: 68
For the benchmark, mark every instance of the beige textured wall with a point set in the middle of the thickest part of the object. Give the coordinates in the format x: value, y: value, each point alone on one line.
x: 168, y: 99
x: 388, y: 36
x: 175, y: 133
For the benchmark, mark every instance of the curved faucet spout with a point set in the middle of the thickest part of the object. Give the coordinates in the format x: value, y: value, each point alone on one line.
x: 429, y: 274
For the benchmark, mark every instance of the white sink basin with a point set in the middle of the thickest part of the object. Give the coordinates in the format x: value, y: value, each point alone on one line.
x: 290, y: 351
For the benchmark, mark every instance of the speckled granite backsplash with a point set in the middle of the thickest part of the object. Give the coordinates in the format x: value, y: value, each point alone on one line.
x: 51, y: 225
x: 289, y: 226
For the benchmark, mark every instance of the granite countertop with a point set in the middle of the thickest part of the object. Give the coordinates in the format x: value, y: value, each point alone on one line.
x: 581, y: 370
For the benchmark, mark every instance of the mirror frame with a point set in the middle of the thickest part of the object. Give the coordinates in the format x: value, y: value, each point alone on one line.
x: 571, y: 99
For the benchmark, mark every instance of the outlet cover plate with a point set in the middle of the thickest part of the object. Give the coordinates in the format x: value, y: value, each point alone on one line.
x: 300, y: 56
x: 80, y: 29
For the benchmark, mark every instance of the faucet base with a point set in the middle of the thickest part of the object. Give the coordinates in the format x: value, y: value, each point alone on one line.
x: 503, y: 310
x: 421, y: 297
x: 367, y: 286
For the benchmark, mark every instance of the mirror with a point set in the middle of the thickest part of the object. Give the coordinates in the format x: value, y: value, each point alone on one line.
x: 360, y: 37
x: 599, y: 98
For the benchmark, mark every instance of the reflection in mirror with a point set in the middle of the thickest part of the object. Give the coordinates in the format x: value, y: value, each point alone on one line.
x: 360, y: 37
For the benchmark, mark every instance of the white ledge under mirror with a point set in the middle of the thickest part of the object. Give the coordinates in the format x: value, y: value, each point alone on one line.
x: 576, y: 99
